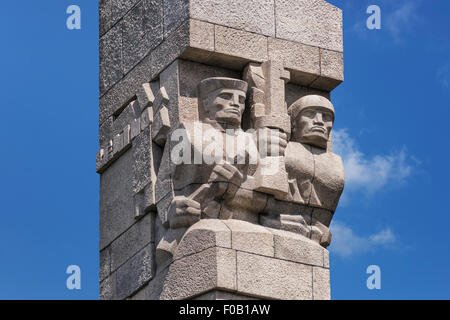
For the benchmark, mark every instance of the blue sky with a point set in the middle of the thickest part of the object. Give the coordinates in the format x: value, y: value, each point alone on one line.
x: 392, y: 134
x: 391, y: 130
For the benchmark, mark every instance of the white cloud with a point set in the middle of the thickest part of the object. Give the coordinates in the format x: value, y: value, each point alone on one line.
x: 369, y: 174
x: 346, y: 243
x: 383, y: 237
x: 399, y: 18
x: 402, y: 19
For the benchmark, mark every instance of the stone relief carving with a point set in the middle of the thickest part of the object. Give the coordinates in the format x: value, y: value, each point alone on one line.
x: 214, y: 180
x: 213, y: 169
x: 202, y: 177
x: 144, y: 106
x: 248, y: 214
x: 316, y: 176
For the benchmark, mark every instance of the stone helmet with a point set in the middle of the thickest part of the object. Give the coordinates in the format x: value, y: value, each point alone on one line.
x: 309, y: 101
x: 209, y: 85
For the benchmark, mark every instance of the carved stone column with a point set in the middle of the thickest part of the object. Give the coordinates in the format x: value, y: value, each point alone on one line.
x: 252, y: 236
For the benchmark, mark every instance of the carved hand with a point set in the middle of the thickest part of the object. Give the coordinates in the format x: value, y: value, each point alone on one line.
x: 183, y: 212
x: 272, y: 139
x: 226, y: 172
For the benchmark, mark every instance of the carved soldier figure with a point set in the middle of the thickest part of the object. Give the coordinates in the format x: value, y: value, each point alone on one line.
x: 319, y: 174
x: 211, y: 168
x: 206, y: 175
x: 315, y: 175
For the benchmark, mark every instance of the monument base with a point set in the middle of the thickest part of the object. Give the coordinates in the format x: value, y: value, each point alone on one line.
x: 234, y: 259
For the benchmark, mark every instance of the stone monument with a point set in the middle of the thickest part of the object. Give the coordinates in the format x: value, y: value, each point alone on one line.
x: 217, y: 176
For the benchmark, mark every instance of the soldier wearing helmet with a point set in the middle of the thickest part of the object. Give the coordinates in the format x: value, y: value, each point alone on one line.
x: 315, y: 174
x: 312, y: 118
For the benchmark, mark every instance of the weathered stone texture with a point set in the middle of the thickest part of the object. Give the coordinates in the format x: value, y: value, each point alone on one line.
x: 175, y: 13
x: 332, y: 64
x: 239, y: 43
x: 116, y: 200
x: 123, y: 92
x: 110, y: 50
x: 111, y: 11
x: 135, y: 273
x: 250, y: 237
x: 128, y: 115
x: 105, y: 132
x: 135, y: 28
x: 297, y: 248
x: 142, y: 160
x: 142, y: 31
x: 131, y: 241
x: 321, y: 283
x: 105, y: 263
x: 129, y: 30
x: 170, y: 49
x: 203, y: 235
x: 202, y: 35
x: 141, y: 294
x: 312, y: 22
x: 302, y: 60
x: 331, y: 70
x: 108, y: 288
x: 273, y: 278
x: 156, y: 285
x: 255, y: 16
x: 280, y: 267
x: 315, y: 23
x: 153, y: 54
x: 201, y: 272
x: 326, y: 259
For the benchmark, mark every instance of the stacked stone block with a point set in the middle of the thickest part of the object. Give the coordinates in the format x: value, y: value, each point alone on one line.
x: 153, y: 53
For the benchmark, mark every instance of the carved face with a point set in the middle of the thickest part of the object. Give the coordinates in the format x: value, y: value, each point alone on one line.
x: 313, y: 126
x: 226, y: 105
